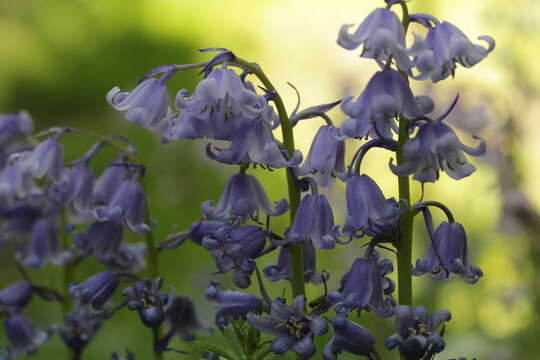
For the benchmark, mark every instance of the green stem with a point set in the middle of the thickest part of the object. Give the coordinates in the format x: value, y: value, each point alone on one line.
x: 68, y: 277
x: 296, y: 252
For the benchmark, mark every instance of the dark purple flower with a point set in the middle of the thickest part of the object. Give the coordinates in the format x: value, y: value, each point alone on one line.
x: 183, y: 319
x: 386, y: 96
x: 18, y: 218
x: 102, y: 239
x: 243, y: 197
x: 293, y: 328
x: 15, y: 296
x: 96, y: 290
x: 415, y: 331
x: 231, y: 304
x: 444, y: 46
x: 313, y: 221
x: 80, y: 326
x: 447, y: 254
x: 146, y: 297
x: 436, y: 148
x: 109, y: 182
x: 236, y: 248
x: 46, y: 158
x: 23, y: 335
x: 325, y: 159
x: 382, y: 36
x: 282, y: 269
x: 349, y: 337
x: 43, y: 246
x: 196, y: 233
x: 366, y: 286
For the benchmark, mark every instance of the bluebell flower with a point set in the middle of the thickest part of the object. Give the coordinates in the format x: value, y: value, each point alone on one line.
x: 130, y: 257
x: 368, y: 210
x: 348, y: 337
x: 18, y: 218
x: 183, y: 319
x: 325, y: 159
x: 43, y: 246
x: 147, y: 298
x: 445, y: 46
x: 102, y: 239
x: 47, y: 158
x: 109, y: 182
x: 232, y: 304
x: 147, y: 105
x: 243, y: 197
x: 96, y: 290
x: 23, y: 335
x: 386, y: 96
x: 15, y: 125
x: 382, y: 36
x: 80, y: 326
x: 313, y: 221
x: 236, y: 248
x: 196, y: 233
x: 415, y: 331
x: 282, y: 269
x: 14, y: 183
x: 435, y: 148
x: 77, y: 191
x: 447, y: 254
x: 15, y: 296
x: 126, y: 206
x: 293, y: 328
x: 366, y: 286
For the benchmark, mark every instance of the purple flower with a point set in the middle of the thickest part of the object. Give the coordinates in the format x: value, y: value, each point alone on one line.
x: 231, y: 304
x: 349, y: 337
x: 18, y: 218
x: 368, y: 210
x: 313, y: 221
x: 382, y: 36
x: 146, y: 297
x: 109, y: 182
x: 80, y: 326
x: 243, y: 197
x: 196, y: 233
x: 14, y: 183
x: 23, y: 335
x: 102, y: 239
x: 236, y: 248
x: 386, y: 96
x: 444, y: 46
x: 46, y: 158
x: 436, y: 148
x: 415, y: 331
x: 293, y: 328
x: 43, y: 246
x: 15, y: 296
x: 183, y: 319
x: 14, y: 125
x: 77, y: 191
x: 282, y: 269
x: 366, y: 286
x: 447, y: 254
x: 326, y: 156
x: 96, y: 290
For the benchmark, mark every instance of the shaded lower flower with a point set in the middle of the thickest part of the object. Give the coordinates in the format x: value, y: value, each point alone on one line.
x: 232, y: 304
x: 293, y: 328
x: 43, y: 246
x: 23, y: 335
x: 243, y: 197
x: 146, y: 297
x: 415, y: 332
x: 348, y: 337
x: 15, y: 296
x: 96, y: 290
x: 80, y: 326
x: 109, y: 182
x: 102, y: 239
x: 282, y: 269
x: 366, y: 286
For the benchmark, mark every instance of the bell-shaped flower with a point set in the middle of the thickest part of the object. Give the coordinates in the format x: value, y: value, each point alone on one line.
x: 231, y: 304
x: 14, y: 183
x: 243, y: 197
x: 126, y: 206
x: 435, y: 148
x: 386, y: 96
x: 147, y: 105
x: 77, y: 191
x: 368, y: 210
x: 313, y: 221
x: 17, y: 219
x: 197, y: 231
x: 445, y: 46
x: 416, y: 332
x: 293, y: 328
x: 325, y: 159
x: 366, y: 286
x: 349, y: 337
x: 101, y: 239
x: 109, y: 182
x: 23, y: 335
x: 96, y: 290
x: 47, y: 158
x: 43, y: 246
x: 282, y: 269
x: 80, y: 326
x: 447, y: 255
x: 381, y: 35
x: 146, y: 297
x: 255, y: 143
x: 236, y: 248
x: 14, y: 125
x: 15, y: 296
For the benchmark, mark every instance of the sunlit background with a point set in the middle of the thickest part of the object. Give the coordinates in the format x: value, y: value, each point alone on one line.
x: 58, y: 59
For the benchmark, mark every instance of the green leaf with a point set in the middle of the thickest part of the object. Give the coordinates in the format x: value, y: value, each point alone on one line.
x: 213, y: 349
x: 232, y: 339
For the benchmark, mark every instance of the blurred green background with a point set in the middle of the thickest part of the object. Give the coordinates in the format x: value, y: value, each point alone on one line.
x: 58, y: 59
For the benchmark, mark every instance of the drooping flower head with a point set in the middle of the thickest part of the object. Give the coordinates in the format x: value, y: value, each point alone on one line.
x: 77, y: 191
x: 80, y: 326
x: 23, y: 335
x: 415, y: 331
x: 183, y: 319
x: 47, y: 158
x: 43, y: 245
x: 386, y: 96
x: 96, y: 290
x: 293, y: 328
x: 348, y: 337
x: 147, y: 298
x: 15, y: 296
x: 282, y: 269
